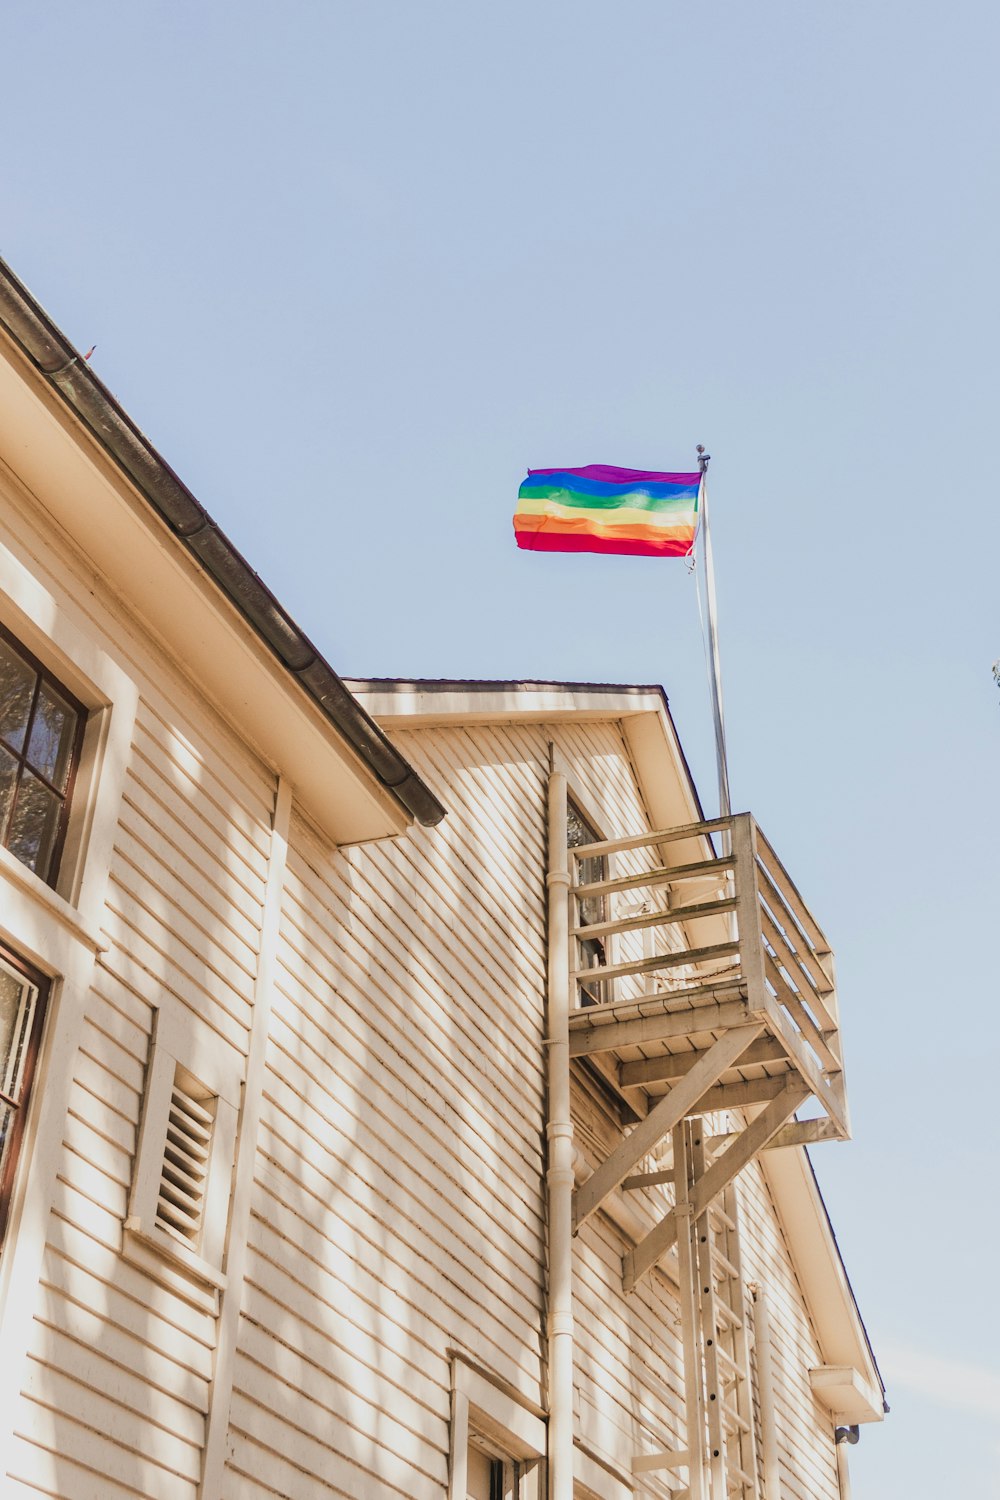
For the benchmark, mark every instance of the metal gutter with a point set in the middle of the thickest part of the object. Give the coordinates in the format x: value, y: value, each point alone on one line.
x: 55, y: 358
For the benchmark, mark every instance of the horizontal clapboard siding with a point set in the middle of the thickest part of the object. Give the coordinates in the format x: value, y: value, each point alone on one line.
x: 119, y: 1367
x: 402, y: 1145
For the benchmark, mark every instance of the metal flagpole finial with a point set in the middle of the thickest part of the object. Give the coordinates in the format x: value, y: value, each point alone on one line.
x: 704, y: 459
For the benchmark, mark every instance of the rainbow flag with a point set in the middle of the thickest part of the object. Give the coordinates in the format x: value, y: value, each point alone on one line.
x: 603, y: 509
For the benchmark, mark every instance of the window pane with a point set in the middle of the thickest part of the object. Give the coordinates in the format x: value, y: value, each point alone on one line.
x: 17, y: 999
x: 7, y: 1116
x: 8, y: 776
x: 579, y: 832
x: 592, y: 908
x: 17, y: 683
x: 52, y: 732
x: 34, y: 824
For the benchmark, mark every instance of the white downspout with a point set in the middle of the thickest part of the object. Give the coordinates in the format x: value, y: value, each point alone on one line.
x: 841, y: 1437
x: 765, y: 1382
x: 560, y: 1176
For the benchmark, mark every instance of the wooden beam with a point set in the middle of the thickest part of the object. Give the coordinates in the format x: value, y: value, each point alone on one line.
x: 748, y: 907
x: 739, y: 1095
x: 801, y: 980
x: 661, y: 1069
x: 797, y: 940
x: 825, y: 1046
x: 675, y: 960
x: 647, y: 1180
x: 642, y: 840
x: 660, y: 1120
x: 585, y: 1038
x: 645, y: 1463
x: 806, y: 1063
x: 659, y: 918
x: 798, y: 1133
x: 663, y: 875
x: 722, y: 1171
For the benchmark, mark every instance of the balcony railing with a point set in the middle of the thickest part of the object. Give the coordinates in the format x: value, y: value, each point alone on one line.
x: 690, y: 931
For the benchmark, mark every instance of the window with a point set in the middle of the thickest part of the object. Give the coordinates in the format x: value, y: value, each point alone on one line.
x: 592, y: 909
x: 23, y: 994
x: 41, y: 734
x: 488, y: 1477
x: 497, y: 1444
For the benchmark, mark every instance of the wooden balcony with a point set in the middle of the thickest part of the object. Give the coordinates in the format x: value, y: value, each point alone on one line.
x: 703, y: 984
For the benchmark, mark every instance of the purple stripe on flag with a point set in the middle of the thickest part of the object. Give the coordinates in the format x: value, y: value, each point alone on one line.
x: 609, y: 474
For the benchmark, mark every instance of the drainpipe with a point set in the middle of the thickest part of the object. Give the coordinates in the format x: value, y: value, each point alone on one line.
x: 765, y: 1382
x: 560, y: 1176
x: 842, y: 1436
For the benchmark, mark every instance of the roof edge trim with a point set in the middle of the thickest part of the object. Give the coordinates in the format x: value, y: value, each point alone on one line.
x: 67, y: 372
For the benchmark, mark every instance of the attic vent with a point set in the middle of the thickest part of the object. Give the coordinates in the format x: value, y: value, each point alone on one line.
x: 180, y: 1204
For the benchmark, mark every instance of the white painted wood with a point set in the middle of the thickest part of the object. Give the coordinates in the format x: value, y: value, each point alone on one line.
x: 661, y: 1120
x: 736, y: 1156
x: 249, y: 1128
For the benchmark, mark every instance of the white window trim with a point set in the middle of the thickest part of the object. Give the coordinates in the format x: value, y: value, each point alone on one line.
x: 57, y: 930
x: 196, y: 1275
x: 494, y: 1412
x: 65, y: 646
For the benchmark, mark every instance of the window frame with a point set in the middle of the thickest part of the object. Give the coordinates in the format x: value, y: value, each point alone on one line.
x: 506, y: 1428
x: 44, y: 674
x: 9, y: 1171
x: 57, y: 929
x: 598, y: 993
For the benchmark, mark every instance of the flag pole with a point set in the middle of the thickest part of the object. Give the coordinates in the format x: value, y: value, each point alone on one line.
x: 714, y: 668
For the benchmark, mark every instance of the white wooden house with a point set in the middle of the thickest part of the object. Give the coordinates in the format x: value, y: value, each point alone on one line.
x: 406, y: 1090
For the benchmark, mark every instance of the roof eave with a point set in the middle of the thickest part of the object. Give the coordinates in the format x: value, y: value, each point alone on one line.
x: 71, y: 379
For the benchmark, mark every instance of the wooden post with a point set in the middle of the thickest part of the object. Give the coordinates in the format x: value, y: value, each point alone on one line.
x: 708, y: 1321
x: 687, y: 1257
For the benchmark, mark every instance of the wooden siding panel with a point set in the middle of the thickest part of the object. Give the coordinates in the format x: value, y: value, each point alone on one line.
x: 344, y: 1392
x: 472, y: 1316
x: 367, y: 943
x: 301, y: 1466
x: 36, y: 1469
x: 95, y: 1275
x: 119, y: 1366
x: 103, y: 1438
x: 371, y: 1348
x: 163, y: 970
x: 385, y: 1103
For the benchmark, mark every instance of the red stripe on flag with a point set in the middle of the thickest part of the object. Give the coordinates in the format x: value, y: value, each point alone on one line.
x: 541, y: 541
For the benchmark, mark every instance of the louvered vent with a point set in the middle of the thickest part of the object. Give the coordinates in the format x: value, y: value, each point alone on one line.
x: 181, y: 1202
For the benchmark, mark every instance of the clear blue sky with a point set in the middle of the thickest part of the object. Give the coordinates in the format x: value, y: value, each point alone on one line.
x: 355, y: 266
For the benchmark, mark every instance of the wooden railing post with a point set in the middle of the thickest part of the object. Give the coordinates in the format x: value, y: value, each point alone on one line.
x: 748, y: 911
